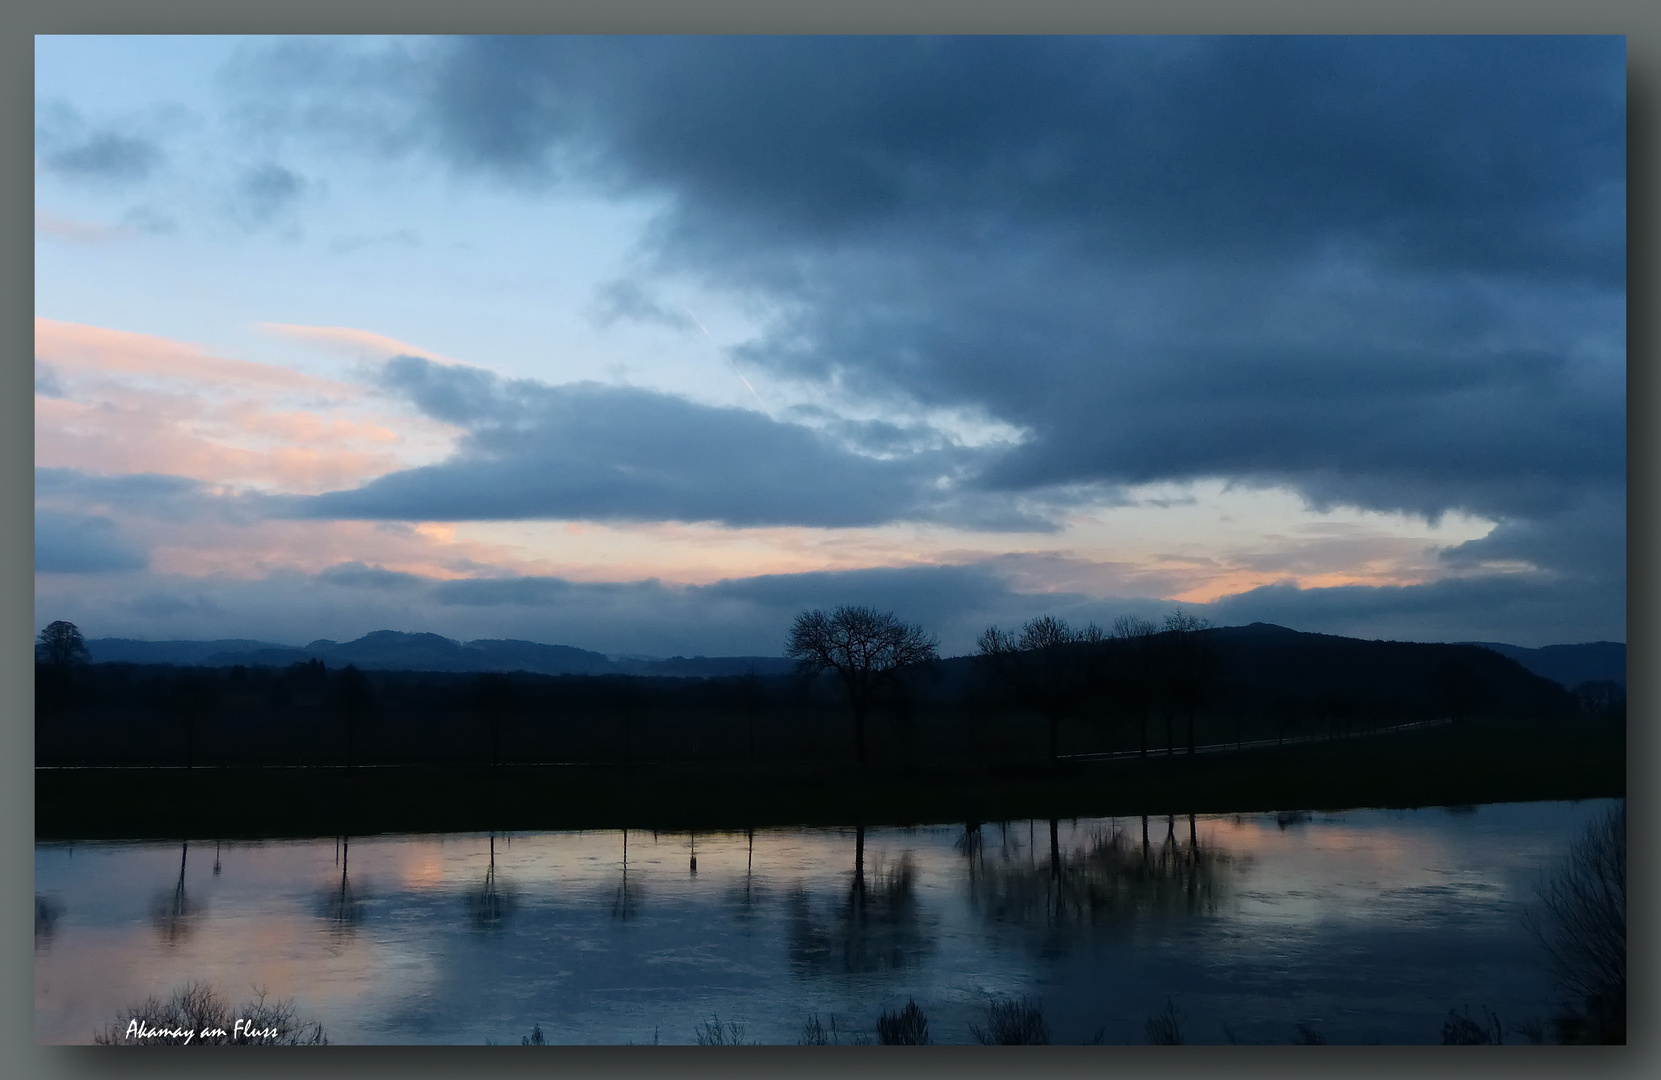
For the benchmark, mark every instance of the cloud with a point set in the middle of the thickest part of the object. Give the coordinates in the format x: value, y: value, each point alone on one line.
x: 626, y: 300
x: 89, y: 232
x: 139, y: 403
x: 364, y: 343
x: 76, y: 346
x: 1519, y: 609
x: 46, y: 382
x: 113, y: 154
x: 81, y: 544
x: 610, y: 453
x: 105, y: 157
x: 371, y: 577
x: 266, y: 191
x: 1386, y: 272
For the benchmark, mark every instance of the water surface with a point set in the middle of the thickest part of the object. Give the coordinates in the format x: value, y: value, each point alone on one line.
x: 1367, y: 925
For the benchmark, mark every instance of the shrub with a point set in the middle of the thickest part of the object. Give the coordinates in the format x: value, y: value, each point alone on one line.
x: 1165, y: 1029
x: 1012, y: 1023
x: 908, y: 1027
x: 713, y: 1033
x: 197, y: 1016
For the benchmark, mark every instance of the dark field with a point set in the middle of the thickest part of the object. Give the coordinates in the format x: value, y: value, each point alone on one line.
x: 1475, y: 761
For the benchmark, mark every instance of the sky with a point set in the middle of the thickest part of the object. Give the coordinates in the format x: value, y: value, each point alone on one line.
x: 645, y: 345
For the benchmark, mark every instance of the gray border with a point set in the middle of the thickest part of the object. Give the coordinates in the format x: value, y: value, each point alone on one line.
x: 19, y: 20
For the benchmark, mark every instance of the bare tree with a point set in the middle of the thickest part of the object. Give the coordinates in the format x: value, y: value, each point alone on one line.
x: 1135, y: 677
x: 865, y: 647
x: 1189, y: 668
x: 1582, y: 924
x: 61, y: 644
x: 1046, y: 665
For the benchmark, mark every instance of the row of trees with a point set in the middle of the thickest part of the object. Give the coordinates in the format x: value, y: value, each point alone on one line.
x: 1047, y: 666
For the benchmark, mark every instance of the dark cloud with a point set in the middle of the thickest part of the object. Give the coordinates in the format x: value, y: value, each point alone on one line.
x: 1531, y: 610
x: 359, y: 575
x: 83, y: 544
x: 594, y: 452
x: 266, y: 191
x: 105, y: 157
x: 1388, y: 272
x: 154, y: 496
x: 71, y: 148
x: 1473, y: 152
x: 46, y: 381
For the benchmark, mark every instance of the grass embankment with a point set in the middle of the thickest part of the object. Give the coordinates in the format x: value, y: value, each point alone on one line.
x: 1472, y: 762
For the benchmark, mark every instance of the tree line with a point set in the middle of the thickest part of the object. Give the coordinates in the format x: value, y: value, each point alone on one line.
x: 1137, y: 687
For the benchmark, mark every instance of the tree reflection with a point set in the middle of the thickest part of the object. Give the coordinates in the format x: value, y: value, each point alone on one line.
x: 1112, y: 878
x: 627, y: 903
x: 341, y: 906
x: 876, y: 926
x: 47, y: 913
x: 174, y: 915
x: 491, y: 904
x: 745, y: 897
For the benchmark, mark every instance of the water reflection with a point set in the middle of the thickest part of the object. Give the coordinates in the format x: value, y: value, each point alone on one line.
x: 489, y: 905
x: 1372, y: 925
x: 47, y: 913
x: 340, y: 906
x: 746, y: 897
x: 1111, y: 878
x: 876, y: 926
x: 627, y: 903
x: 175, y: 915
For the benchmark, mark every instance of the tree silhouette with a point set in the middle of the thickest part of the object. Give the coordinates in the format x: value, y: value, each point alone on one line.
x: 1135, y: 669
x: 1581, y: 922
x: 61, y: 644
x: 865, y: 647
x: 353, y: 700
x: 494, y: 702
x: 1458, y: 689
x: 1189, y: 668
x: 1046, y: 666
x: 192, y: 696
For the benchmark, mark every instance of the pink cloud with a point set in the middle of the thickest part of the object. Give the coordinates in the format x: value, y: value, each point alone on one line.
x: 77, y: 347
x: 139, y: 403
x: 84, y: 231
x: 357, y: 342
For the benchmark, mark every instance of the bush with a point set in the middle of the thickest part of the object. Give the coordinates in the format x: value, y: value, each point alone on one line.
x: 1166, y: 1028
x: 1581, y: 922
x: 713, y: 1033
x: 197, y: 1016
x: 1012, y: 1023
x: 908, y: 1027
x: 1461, y: 1030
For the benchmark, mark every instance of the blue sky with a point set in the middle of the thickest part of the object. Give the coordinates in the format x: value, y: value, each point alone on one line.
x: 643, y: 345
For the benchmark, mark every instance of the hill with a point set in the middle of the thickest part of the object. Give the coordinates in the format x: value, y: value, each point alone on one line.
x: 1570, y: 665
x: 391, y: 650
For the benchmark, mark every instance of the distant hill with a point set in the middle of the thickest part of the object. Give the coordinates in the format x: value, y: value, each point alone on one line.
x: 129, y: 651
x: 1570, y: 665
x: 1265, y: 669
x: 1256, y: 656
x: 390, y: 650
